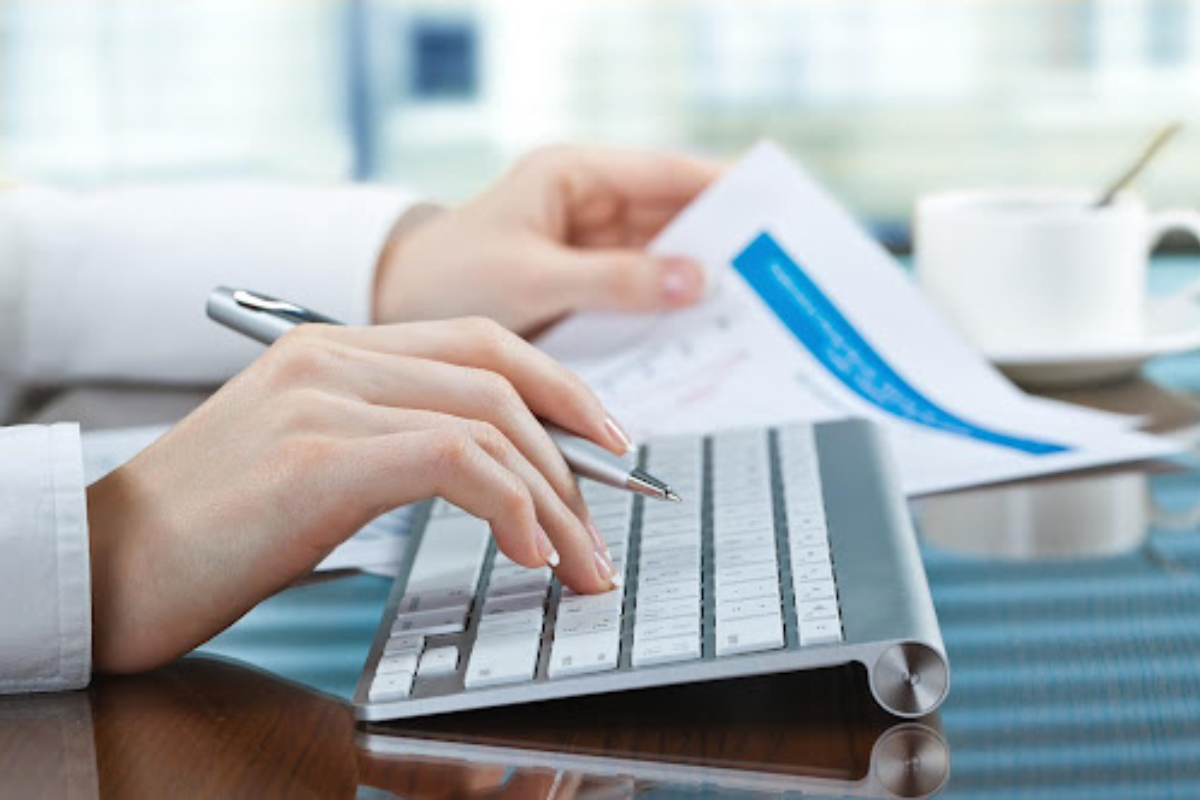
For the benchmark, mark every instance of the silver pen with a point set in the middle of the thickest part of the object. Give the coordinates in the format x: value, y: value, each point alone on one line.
x: 265, y: 319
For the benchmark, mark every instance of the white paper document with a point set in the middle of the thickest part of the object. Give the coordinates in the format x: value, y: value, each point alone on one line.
x: 808, y: 318
x: 379, y: 548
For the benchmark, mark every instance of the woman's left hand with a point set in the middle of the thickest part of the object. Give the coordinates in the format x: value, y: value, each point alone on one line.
x: 563, y: 230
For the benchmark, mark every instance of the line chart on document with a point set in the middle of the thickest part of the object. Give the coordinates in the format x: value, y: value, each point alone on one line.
x: 654, y: 376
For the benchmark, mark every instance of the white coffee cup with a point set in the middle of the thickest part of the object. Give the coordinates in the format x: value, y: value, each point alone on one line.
x: 1030, y: 272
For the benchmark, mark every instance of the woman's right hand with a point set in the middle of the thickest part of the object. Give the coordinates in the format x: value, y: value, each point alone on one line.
x: 330, y: 428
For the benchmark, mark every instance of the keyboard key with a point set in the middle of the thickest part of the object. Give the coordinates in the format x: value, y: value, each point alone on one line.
x: 652, y: 530
x: 728, y: 610
x: 398, y: 662
x: 519, y: 585
x: 750, y: 590
x: 503, y: 574
x: 677, y: 557
x: 749, y: 635
x: 733, y: 557
x: 404, y: 643
x: 821, y: 631
x: 674, y: 541
x: 817, y: 590
x: 648, y: 653
x: 749, y: 572
x: 579, y: 655
x: 590, y: 603
x: 438, y: 661
x: 392, y: 686
x: 812, y: 572
x: 437, y: 598
x: 745, y: 540
x: 661, y: 575
x: 648, y: 630
x: 810, y: 555
x: 514, y: 603
x: 744, y: 517
x: 679, y: 591
x: 500, y: 660
x: 450, y: 556
x: 507, y: 624
x: 808, y: 537
x: 431, y: 623
x: 582, y: 624
x: 821, y: 609
x: 665, y: 609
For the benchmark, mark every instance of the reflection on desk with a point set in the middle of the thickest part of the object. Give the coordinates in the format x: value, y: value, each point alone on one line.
x: 808, y: 732
x: 211, y: 728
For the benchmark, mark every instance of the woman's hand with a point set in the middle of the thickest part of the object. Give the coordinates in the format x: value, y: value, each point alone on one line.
x: 563, y: 230
x: 330, y: 428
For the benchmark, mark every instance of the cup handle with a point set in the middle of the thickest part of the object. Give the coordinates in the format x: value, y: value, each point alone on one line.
x: 1183, y: 220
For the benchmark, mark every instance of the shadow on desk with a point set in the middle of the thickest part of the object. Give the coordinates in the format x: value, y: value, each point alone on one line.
x: 210, y: 728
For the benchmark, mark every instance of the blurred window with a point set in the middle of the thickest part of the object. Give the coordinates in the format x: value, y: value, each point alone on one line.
x: 881, y: 99
x: 444, y: 62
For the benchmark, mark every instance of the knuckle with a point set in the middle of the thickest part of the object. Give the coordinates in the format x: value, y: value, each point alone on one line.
x: 489, y: 336
x: 301, y: 354
x: 516, y: 501
x: 303, y: 409
x: 488, y: 436
x: 453, y: 451
x: 497, y: 392
x: 545, y: 157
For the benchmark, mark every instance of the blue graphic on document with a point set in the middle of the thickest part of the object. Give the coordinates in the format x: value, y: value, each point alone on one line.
x: 822, y: 329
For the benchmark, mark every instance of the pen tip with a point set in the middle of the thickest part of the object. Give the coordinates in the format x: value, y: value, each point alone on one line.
x: 674, y: 498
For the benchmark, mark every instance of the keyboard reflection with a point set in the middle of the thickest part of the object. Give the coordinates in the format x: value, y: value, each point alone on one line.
x: 810, y: 732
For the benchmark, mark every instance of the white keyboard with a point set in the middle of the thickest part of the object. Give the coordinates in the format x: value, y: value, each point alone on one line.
x: 743, y: 566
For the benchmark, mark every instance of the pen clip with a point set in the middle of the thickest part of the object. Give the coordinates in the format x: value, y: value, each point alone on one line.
x: 278, y: 308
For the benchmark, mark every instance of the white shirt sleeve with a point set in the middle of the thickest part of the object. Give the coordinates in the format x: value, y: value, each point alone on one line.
x: 45, y: 578
x: 112, y: 285
x: 114, y: 282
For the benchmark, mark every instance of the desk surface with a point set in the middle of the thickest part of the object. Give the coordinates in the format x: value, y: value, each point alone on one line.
x: 1070, y: 608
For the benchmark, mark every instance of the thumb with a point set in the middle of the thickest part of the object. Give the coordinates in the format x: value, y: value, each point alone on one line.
x: 628, y: 280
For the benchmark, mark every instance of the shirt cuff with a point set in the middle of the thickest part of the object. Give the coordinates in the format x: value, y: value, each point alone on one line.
x: 45, y: 578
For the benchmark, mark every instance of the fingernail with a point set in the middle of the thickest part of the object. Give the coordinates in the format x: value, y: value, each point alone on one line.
x: 546, y: 547
x: 682, y: 281
x: 619, y: 434
x: 601, y: 545
x: 604, y: 568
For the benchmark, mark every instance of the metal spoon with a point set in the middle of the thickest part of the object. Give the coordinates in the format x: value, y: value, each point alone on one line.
x: 1148, y: 153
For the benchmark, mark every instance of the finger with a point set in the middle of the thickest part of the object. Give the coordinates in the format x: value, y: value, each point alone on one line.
x: 534, y: 784
x: 565, y: 538
x: 464, y: 392
x: 636, y: 176
x: 614, y: 222
x: 486, y: 397
x: 625, y: 280
x: 402, y: 382
x: 387, y: 471
x: 550, y: 390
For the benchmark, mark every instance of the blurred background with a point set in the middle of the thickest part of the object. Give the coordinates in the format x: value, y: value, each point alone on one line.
x: 882, y: 99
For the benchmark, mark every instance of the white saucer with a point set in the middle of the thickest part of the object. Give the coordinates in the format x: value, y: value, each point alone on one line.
x: 1172, y: 326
